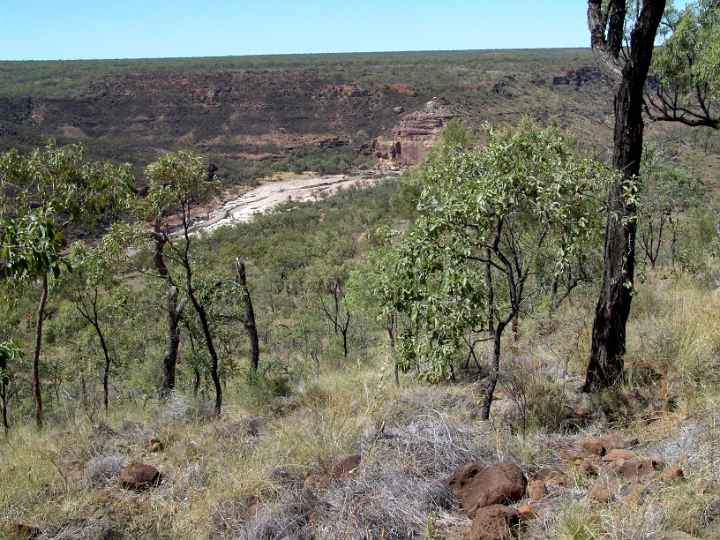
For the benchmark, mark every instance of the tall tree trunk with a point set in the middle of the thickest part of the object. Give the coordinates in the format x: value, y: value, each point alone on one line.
x: 249, y: 321
x: 214, y: 361
x: 606, y: 363
x: 172, y: 342
x: 4, y: 383
x: 202, y: 315
x: 174, y: 312
x: 37, y: 390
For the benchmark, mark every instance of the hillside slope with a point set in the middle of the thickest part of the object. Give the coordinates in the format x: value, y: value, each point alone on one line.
x: 255, y: 115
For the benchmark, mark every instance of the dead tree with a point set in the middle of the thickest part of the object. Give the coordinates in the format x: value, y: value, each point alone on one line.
x: 249, y: 319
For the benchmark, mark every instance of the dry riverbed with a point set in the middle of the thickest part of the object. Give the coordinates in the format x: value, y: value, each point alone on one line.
x: 234, y: 209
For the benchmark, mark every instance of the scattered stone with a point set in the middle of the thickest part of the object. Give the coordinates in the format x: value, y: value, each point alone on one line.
x: 600, y: 446
x: 155, y: 445
x: 479, y: 487
x: 536, y: 489
x: 494, y: 522
x: 617, y: 455
x: 588, y: 466
x: 344, y: 468
x: 672, y: 474
x: 552, y: 477
x: 604, y: 490
x: 139, y: 476
x: 316, y: 481
x: 24, y: 531
x: 636, y: 469
x: 526, y: 512
x: 633, y: 494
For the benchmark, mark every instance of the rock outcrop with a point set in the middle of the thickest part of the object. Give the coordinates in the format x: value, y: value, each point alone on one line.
x: 479, y: 486
x: 414, y: 136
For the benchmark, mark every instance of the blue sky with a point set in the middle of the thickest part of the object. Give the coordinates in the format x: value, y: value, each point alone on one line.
x: 52, y: 29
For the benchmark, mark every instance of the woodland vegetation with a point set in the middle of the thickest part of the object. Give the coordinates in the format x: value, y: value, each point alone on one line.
x: 332, y: 322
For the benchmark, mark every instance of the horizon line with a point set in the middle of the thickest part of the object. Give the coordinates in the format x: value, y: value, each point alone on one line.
x: 276, y: 55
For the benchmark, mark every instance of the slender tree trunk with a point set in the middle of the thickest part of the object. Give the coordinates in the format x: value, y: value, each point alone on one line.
x: 106, y: 369
x: 202, y: 315
x: 172, y: 343
x: 345, y: 329
x: 214, y: 361
x: 4, y: 382
x: 494, y: 373
x: 174, y: 312
x: 249, y: 322
x: 492, y: 316
x: 37, y: 390
x: 606, y: 363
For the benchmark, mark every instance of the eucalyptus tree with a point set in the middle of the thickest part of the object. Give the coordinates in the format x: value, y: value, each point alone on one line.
x: 94, y: 289
x: 178, y: 183
x: 667, y: 192
x: 686, y: 86
x: 627, y: 62
x: 495, y: 225
x: 43, y: 194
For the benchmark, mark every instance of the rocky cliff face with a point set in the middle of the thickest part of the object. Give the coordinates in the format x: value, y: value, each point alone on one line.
x: 248, y: 119
x: 414, y: 136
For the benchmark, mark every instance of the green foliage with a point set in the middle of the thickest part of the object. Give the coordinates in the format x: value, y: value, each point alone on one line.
x: 690, y: 58
x: 525, y: 209
x: 30, y: 245
x: 178, y: 181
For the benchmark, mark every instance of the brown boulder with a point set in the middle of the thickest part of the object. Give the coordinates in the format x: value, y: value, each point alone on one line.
x: 588, y: 466
x: 478, y: 487
x: 526, y: 512
x: 635, y: 470
x: 633, y: 494
x: 552, y: 477
x: 618, y: 454
x: 155, y: 445
x: 24, y: 531
x: 672, y: 474
x: 602, y: 445
x: 536, y: 490
x: 345, y: 467
x: 494, y: 522
x: 139, y: 476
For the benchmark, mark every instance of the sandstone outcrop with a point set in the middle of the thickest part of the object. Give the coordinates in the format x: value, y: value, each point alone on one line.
x: 414, y: 136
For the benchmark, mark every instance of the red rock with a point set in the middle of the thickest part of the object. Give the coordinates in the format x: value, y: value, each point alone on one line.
x: 588, y: 466
x: 345, y: 467
x: 479, y: 487
x: 603, y: 490
x: 636, y: 469
x: 552, y: 477
x: 602, y: 445
x: 155, y: 445
x: 139, y: 476
x: 536, y: 490
x: 526, y: 512
x: 494, y: 522
x: 618, y: 454
x: 633, y: 494
x: 672, y: 474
